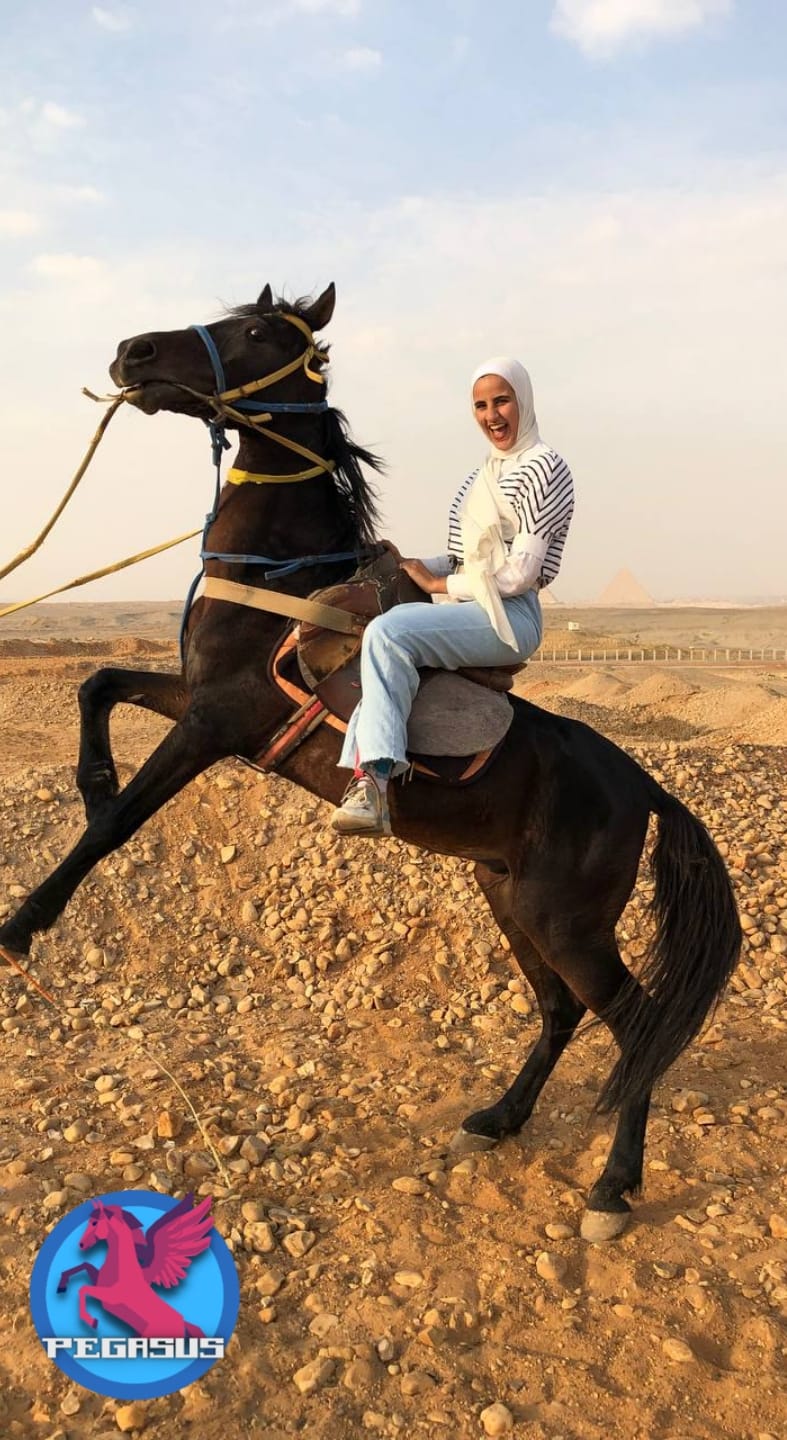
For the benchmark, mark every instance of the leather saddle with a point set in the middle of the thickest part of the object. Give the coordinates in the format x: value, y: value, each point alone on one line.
x: 329, y: 661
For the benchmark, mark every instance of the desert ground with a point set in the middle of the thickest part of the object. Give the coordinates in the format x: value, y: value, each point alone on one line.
x: 332, y: 1009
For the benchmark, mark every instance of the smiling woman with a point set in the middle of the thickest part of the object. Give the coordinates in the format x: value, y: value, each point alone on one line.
x: 506, y: 532
x: 496, y: 410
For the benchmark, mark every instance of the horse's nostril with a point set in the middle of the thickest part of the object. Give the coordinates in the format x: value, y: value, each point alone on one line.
x: 139, y: 351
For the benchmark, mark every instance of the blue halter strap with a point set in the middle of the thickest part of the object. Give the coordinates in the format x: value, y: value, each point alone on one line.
x: 269, y: 407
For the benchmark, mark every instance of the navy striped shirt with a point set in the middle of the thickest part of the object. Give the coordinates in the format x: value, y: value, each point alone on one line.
x: 541, y: 492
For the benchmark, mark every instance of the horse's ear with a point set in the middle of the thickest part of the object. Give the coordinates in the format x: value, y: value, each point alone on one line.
x: 265, y: 298
x: 318, y: 314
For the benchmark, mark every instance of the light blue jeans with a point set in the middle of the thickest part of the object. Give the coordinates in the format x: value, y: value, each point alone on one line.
x: 444, y: 636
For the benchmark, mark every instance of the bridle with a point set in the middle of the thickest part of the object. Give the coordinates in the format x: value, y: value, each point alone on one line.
x: 256, y: 413
x: 235, y: 405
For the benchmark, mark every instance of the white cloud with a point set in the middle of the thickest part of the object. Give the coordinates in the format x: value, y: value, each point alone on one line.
x: 115, y: 21
x: 361, y: 58
x: 66, y: 266
x: 59, y: 117
x: 600, y: 27
x: 18, y: 222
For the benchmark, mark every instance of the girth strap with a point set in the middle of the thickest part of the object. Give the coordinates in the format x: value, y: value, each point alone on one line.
x: 295, y: 608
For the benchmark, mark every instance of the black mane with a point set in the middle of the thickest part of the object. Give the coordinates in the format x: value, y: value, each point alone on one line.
x: 356, y: 494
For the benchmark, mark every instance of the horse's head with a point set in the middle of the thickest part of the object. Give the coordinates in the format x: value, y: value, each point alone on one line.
x: 97, y: 1227
x: 251, y: 343
x: 103, y: 1218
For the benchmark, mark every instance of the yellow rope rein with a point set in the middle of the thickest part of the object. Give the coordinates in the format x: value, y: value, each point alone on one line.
x: 222, y: 410
x: 114, y: 401
x: 99, y: 574
x: 30, y: 549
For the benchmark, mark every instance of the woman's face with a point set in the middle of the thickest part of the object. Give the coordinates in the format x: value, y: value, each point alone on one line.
x: 496, y: 410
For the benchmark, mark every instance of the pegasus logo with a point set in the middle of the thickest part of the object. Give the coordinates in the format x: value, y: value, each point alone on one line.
x: 154, y: 1312
x: 136, y: 1260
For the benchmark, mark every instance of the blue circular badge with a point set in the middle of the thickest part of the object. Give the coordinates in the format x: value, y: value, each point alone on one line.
x: 135, y: 1294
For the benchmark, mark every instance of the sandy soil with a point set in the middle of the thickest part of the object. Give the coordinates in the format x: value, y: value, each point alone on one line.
x: 333, y: 1010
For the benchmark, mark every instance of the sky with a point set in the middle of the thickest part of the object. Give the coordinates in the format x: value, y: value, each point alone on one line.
x: 598, y: 187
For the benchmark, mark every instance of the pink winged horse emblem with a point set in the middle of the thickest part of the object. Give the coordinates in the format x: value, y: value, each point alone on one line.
x: 136, y: 1260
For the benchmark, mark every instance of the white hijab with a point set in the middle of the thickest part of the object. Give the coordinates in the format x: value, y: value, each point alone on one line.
x: 487, y: 519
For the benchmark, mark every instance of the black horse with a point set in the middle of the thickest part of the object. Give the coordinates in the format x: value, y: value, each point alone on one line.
x: 556, y: 827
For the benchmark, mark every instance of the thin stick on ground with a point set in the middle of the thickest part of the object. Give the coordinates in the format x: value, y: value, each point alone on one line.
x: 10, y: 959
x: 209, y: 1143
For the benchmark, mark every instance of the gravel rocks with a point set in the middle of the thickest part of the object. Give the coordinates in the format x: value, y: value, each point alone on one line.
x: 551, y: 1267
x: 678, y: 1351
x: 333, y: 1010
x: 409, y: 1279
x: 417, y: 1382
x: 131, y: 1417
x: 313, y: 1376
x: 497, y: 1419
x: 410, y: 1185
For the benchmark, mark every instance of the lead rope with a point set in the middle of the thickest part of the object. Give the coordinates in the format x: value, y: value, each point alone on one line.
x: 90, y: 452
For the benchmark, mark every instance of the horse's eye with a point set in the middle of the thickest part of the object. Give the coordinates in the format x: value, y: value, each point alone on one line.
x: 256, y: 333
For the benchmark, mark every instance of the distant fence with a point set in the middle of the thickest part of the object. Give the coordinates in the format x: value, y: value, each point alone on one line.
x: 663, y: 655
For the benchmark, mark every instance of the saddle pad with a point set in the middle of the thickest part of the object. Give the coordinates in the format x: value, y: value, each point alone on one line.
x: 454, y: 716
x: 434, y: 766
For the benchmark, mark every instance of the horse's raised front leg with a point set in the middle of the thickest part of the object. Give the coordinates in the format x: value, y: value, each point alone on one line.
x: 190, y: 747
x: 165, y: 694
x: 90, y: 1270
x: 561, y: 1012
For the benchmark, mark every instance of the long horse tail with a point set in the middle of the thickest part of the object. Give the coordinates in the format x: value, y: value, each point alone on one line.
x: 694, y: 951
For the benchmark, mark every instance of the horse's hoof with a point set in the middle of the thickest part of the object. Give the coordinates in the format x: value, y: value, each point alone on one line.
x: 466, y: 1143
x: 16, y: 948
x: 598, y: 1226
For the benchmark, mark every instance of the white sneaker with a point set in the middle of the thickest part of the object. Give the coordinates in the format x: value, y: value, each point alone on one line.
x: 364, y: 809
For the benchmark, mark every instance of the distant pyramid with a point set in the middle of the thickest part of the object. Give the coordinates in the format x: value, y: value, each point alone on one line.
x: 547, y: 598
x: 625, y: 589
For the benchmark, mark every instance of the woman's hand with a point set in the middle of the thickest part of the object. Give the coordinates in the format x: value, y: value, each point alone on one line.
x: 423, y: 578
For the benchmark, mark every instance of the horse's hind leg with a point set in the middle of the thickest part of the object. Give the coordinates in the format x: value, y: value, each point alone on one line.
x: 561, y: 1012
x: 597, y: 973
x: 189, y: 748
x: 607, y: 1212
x: 165, y: 694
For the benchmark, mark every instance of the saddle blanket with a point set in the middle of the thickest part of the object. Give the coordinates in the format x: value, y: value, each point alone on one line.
x: 455, y: 726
